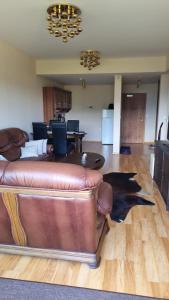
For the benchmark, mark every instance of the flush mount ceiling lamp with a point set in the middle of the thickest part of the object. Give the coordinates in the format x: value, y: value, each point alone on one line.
x: 90, y: 59
x: 138, y: 83
x: 83, y: 82
x: 64, y: 21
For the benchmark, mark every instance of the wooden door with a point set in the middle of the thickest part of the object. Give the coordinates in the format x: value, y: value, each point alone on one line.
x: 133, y: 118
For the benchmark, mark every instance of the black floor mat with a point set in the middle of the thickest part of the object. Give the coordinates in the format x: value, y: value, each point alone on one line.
x: 123, y: 184
x: 122, y: 203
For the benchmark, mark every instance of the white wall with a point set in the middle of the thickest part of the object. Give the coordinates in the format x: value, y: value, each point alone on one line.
x: 117, y: 113
x: 163, y: 113
x: 95, y: 96
x: 21, y: 100
x: 151, y: 105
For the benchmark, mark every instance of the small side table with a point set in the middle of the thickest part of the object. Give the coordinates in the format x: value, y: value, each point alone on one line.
x: 92, y: 161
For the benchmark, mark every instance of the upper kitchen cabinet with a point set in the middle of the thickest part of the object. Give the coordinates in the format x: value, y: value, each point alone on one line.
x: 55, y: 100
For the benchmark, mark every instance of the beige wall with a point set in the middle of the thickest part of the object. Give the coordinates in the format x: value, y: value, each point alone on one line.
x: 163, y: 114
x: 99, y: 96
x: 20, y: 89
x: 107, y: 66
x: 151, y: 91
x: 21, y: 97
x: 95, y: 96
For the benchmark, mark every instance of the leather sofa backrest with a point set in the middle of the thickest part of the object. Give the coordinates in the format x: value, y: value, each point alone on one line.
x: 3, y: 165
x: 50, y: 175
x: 11, y: 140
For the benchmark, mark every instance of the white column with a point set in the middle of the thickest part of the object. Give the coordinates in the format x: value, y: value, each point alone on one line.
x: 163, y: 110
x: 117, y: 113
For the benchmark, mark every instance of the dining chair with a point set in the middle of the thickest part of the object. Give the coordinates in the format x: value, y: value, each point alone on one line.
x: 53, y: 121
x: 72, y: 125
x: 61, y: 145
x: 39, y: 130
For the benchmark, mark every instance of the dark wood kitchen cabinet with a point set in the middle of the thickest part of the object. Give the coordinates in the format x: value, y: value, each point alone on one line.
x: 55, y: 100
x: 161, y: 169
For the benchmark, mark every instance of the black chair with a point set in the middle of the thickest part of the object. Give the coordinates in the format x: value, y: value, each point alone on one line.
x: 73, y: 125
x: 61, y: 145
x: 52, y: 121
x: 39, y: 130
x: 50, y: 124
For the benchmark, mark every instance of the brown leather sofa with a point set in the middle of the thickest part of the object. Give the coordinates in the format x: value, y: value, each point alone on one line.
x: 11, y: 141
x: 53, y: 210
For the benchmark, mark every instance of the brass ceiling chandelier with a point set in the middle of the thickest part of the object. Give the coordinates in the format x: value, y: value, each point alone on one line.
x: 64, y: 21
x: 90, y: 59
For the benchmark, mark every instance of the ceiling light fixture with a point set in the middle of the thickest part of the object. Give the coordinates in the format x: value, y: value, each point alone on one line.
x: 64, y: 21
x: 138, y: 83
x: 90, y: 58
x: 83, y: 82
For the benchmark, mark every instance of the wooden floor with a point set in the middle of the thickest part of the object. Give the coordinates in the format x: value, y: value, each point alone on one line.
x: 135, y: 256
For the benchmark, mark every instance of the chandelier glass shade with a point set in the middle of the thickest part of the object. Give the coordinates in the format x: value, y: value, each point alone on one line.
x: 64, y: 21
x: 90, y: 59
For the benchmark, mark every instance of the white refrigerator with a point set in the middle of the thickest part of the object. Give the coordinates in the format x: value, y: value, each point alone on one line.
x: 107, y: 126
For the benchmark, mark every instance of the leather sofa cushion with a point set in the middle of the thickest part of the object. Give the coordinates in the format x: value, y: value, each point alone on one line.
x: 50, y: 175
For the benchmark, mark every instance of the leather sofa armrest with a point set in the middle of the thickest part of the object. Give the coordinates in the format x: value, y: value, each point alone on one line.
x: 105, y: 198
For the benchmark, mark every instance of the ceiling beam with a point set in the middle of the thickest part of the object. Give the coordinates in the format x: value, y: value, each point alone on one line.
x: 128, y: 65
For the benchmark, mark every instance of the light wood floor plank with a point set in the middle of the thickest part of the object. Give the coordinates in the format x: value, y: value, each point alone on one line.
x: 135, y: 255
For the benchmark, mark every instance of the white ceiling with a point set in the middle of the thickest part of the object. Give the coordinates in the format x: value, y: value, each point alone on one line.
x: 117, y: 28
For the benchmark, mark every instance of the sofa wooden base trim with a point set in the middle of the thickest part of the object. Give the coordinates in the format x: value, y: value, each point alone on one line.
x: 92, y: 259
x: 11, y: 203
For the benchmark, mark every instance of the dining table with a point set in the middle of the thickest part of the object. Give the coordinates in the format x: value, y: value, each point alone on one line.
x: 77, y: 136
